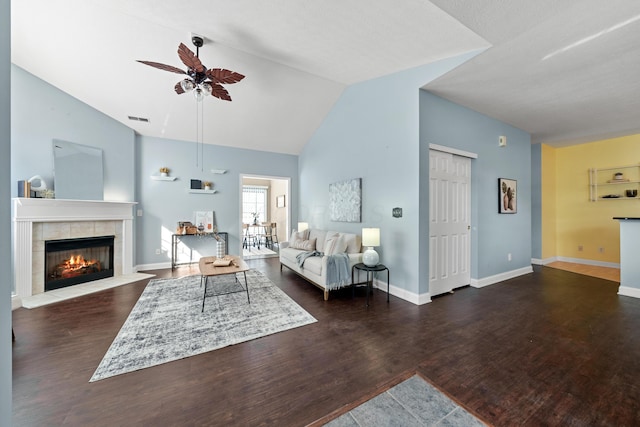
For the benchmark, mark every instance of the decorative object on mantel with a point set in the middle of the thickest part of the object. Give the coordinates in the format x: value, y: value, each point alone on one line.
x: 48, y: 194
x: 164, y: 171
x: 207, y: 185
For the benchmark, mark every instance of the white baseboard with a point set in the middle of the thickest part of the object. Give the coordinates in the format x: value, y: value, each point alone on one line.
x: 412, y: 297
x: 157, y: 266
x: 486, y: 281
x: 537, y: 261
x: 629, y: 292
x: 589, y: 262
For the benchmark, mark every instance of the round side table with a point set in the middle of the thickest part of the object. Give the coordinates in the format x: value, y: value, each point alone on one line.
x: 370, y: 270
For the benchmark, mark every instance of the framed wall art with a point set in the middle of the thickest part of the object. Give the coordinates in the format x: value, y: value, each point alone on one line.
x: 507, y: 196
x: 280, y: 201
x: 345, y: 200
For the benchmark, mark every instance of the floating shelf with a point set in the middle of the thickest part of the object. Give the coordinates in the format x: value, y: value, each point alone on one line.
x: 163, y: 178
x: 219, y: 171
x: 203, y: 191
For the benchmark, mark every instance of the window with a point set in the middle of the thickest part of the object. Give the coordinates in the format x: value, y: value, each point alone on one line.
x: 254, y: 199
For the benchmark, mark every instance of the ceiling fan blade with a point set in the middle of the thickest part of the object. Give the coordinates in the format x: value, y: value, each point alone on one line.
x: 178, y: 88
x: 165, y: 67
x: 220, y: 92
x: 189, y: 59
x: 220, y: 75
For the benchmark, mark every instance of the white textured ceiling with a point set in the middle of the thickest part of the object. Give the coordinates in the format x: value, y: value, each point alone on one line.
x: 565, y: 71
x: 297, y: 57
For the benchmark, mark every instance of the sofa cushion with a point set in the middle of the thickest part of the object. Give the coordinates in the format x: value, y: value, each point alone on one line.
x: 353, y: 243
x: 313, y: 264
x: 320, y: 236
x: 305, y: 245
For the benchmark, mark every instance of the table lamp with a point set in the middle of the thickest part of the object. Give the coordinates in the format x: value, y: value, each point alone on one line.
x: 302, y: 226
x: 370, y: 238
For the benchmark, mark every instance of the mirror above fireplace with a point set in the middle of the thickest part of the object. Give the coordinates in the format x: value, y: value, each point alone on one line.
x: 77, y: 171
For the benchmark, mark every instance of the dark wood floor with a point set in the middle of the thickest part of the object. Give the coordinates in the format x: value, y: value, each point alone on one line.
x: 548, y: 348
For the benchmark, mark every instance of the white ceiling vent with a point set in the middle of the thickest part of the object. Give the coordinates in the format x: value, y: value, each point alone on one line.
x: 139, y: 119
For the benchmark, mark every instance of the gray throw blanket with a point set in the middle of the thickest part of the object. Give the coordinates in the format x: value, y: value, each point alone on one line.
x: 338, y: 271
x: 302, y: 257
x: 337, y: 268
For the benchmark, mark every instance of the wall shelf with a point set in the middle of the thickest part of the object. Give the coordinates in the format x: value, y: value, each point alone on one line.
x: 203, y: 191
x: 603, y: 186
x: 163, y: 178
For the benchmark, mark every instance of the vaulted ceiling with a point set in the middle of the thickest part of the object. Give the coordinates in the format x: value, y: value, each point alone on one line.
x: 564, y: 71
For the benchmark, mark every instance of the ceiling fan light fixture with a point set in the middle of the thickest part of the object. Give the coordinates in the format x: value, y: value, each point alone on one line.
x: 198, y: 94
x: 207, y: 88
x: 187, y: 85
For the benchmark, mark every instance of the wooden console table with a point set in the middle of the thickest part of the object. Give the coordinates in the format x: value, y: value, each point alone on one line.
x: 176, y: 238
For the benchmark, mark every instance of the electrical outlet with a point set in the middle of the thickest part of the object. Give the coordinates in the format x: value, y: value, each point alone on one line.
x: 580, y: 248
x: 158, y: 251
x: 509, y: 256
x: 601, y: 250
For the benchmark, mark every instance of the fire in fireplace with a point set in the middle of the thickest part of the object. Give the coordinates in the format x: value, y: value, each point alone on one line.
x: 73, y: 261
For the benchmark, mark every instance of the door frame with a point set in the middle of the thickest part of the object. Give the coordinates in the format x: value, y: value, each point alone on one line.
x: 471, y: 156
x: 242, y: 176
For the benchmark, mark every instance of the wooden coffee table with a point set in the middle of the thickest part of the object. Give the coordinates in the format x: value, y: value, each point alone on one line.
x: 208, y: 270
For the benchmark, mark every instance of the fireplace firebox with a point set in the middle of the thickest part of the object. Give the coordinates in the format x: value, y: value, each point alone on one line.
x: 73, y: 261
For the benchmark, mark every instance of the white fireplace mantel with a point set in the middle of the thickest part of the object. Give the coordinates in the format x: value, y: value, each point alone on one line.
x: 27, y: 211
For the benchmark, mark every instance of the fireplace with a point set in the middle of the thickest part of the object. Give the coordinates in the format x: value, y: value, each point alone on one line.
x: 70, y: 262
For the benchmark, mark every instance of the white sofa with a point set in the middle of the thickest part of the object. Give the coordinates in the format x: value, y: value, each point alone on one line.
x: 315, y: 267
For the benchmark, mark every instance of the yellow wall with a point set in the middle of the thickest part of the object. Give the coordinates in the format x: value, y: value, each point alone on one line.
x: 548, y: 187
x: 579, y: 221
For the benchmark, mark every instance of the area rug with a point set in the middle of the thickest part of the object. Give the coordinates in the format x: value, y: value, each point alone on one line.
x: 167, y: 324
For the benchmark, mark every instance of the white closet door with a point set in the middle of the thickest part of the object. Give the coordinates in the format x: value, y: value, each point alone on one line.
x: 449, y: 221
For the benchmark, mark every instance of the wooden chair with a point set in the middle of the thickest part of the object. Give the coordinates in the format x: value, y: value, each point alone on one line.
x: 271, y: 234
x: 248, y: 238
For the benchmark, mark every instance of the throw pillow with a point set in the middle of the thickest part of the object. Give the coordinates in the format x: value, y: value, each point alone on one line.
x: 335, y: 245
x: 299, y: 235
x: 305, y: 245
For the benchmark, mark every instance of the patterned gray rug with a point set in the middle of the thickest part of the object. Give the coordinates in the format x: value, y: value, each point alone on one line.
x: 166, y: 323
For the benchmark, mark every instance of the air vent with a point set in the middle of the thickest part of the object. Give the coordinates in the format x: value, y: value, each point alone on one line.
x: 139, y: 119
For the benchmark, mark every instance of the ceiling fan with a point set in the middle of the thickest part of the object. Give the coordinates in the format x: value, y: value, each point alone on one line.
x: 202, y: 81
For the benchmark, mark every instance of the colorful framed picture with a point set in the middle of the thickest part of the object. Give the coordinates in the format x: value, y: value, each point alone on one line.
x: 507, y: 196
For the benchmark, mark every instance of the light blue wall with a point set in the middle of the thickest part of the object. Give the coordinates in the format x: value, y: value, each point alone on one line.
x: 493, y: 235
x: 536, y: 201
x: 164, y: 203
x: 6, y: 273
x: 41, y: 113
x: 372, y: 133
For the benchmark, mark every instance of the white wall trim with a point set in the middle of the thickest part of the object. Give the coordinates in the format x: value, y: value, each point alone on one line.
x: 538, y: 261
x: 412, y: 297
x: 155, y: 266
x: 455, y: 151
x: 486, y: 281
x: 589, y: 262
x: 629, y: 292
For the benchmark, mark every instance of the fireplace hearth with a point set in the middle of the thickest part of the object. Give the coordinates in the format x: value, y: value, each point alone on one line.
x: 73, y: 261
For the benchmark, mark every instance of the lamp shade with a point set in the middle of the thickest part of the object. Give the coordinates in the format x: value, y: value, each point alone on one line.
x: 370, y: 237
x: 302, y: 226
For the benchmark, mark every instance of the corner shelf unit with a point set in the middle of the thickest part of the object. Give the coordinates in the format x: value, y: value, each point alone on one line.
x: 163, y: 178
x: 203, y: 191
x: 603, y: 186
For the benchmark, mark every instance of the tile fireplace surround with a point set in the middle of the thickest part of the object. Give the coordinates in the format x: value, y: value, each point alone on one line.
x: 38, y: 220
